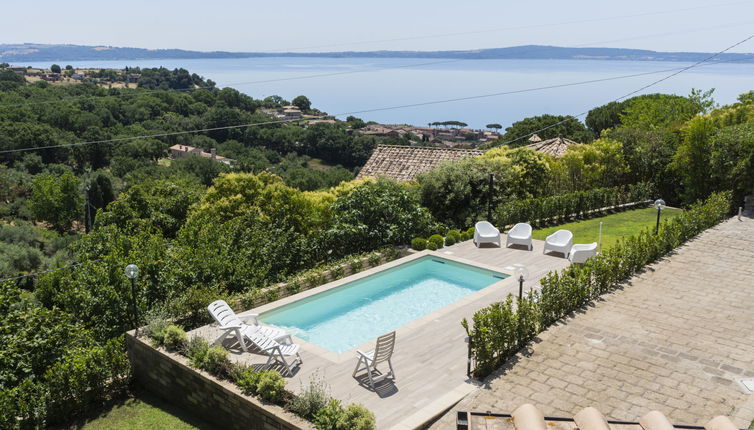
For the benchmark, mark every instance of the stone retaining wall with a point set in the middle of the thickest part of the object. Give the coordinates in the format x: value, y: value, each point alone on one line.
x: 218, y: 402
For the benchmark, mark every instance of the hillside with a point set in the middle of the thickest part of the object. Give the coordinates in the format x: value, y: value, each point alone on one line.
x: 29, y: 52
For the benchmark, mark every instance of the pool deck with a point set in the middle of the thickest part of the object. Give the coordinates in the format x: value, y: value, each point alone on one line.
x: 430, y: 353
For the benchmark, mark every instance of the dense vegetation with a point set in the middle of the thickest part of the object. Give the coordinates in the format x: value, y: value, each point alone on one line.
x: 200, y: 230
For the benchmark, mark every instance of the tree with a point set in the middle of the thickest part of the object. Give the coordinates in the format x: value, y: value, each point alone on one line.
x: 55, y: 68
x: 659, y: 111
x: 545, y: 126
x: 69, y: 67
x: 375, y: 214
x: 303, y: 103
x: 494, y: 126
x: 56, y: 200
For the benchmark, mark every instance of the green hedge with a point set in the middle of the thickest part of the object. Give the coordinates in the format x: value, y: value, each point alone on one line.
x: 81, y: 381
x: 503, y: 328
x: 564, y: 206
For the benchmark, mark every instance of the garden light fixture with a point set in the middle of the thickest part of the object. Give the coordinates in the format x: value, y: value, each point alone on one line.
x: 132, y: 272
x: 660, y: 205
x: 522, y: 274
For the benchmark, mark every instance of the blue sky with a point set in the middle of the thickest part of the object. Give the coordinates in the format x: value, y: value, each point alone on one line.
x: 337, y: 25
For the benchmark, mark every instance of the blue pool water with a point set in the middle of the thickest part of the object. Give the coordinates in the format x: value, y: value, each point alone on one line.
x: 353, y: 313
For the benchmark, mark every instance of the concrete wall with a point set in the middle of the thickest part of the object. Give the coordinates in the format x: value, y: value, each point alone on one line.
x: 218, y: 402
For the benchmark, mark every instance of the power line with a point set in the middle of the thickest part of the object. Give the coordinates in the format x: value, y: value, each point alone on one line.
x: 48, y: 271
x: 676, y: 72
x: 283, y: 121
x: 636, y: 91
x: 525, y: 27
x: 138, y: 91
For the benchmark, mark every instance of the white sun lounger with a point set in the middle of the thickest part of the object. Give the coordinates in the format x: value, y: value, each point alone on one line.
x: 274, y: 350
x: 560, y: 241
x: 484, y: 232
x: 520, y: 234
x: 231, y: 324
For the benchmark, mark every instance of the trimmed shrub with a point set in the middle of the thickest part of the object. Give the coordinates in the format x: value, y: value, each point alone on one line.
x: 196, y: 351
x: 455, y: 234
x: 337, y: 272
x: 293, y: 286
x: 271, y: 386
x: 566, y: 206
x: 419, y: 244
x: 374, y: 259
x: 503, y: 328
x: 312, y: 398
x: 470, y: 232
x: 175, y: 338
x: 432, y: 246
x: 328, y: 417
x: 216, y: 361
x: 357, y: 417
x: 248, y: 380
x: 450, y: 240
x: 356, y: 264
x: 437, y: 240
x: 465, y: 236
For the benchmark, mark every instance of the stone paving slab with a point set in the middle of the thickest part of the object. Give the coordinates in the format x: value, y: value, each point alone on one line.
x: 674, y: 339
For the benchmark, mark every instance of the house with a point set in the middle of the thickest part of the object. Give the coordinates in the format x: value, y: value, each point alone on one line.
x: 133, y: 78
x: 404, y: 163
x: 291, y: 112
x: 181, y: 151
x: 555, y: 147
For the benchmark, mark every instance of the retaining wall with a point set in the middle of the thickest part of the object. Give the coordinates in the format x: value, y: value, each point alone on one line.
x: 218, y: 402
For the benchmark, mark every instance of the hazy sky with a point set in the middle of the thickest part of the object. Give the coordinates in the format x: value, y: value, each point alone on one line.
x: 337, y: 25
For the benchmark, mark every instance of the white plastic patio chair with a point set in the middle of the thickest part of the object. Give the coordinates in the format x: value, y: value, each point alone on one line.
x: 581, y: 252
x: 484, y: 232
x: 520, y: 234
x: 560, y: 241
x: 275, y: 351
x: 231, y: 324
x: 382, y: 352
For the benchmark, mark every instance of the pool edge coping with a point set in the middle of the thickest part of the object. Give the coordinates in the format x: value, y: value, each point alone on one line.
x: 403, y: 329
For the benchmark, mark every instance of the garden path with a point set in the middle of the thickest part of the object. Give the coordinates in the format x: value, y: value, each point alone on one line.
x: 675, y: 339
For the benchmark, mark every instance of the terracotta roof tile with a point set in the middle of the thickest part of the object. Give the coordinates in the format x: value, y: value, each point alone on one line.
x: 404, y: 163
x: 555, y: 147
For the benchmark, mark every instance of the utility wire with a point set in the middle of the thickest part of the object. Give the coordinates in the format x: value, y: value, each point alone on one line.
x: 48, y: 271
x: 633, y: 92
x: 139, y: 91
x: 677, y: 72
x: 177, y: 133
x: 525, y: 27
x: 283, y: 121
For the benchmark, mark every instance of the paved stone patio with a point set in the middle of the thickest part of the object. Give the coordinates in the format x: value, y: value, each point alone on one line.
x: 674, y: 339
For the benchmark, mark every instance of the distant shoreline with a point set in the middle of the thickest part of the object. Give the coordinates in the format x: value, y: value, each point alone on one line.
x: 20, y: 53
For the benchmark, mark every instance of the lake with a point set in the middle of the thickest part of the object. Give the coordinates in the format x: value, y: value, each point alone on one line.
x: 363, y: 84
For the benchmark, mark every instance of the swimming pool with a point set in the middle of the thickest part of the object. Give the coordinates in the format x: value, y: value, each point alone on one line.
x: 353, y: 313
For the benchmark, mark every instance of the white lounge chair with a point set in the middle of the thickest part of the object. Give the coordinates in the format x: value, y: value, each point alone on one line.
x: 581, y: 252
x: 484, y: 232
x: 382, y: 352
x: 274, y: 350
x: 560, y: 241
x: 232, y: 324
x: 520, y: 234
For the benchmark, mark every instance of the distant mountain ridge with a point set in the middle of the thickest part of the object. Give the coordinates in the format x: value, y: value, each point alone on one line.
x: 29, y: 52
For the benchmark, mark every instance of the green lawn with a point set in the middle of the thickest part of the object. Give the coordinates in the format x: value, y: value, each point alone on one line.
x: 144, y: 411
x: 614, y: 226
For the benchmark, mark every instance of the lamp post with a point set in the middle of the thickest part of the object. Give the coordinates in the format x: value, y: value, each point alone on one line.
x: 521, y: 273
x: 132, y: 272
x: 489, y: 197
x: 660, y: 205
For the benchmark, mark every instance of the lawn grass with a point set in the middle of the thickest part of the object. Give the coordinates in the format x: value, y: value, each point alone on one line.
x: 143, y: 411
x: 614, y: 226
